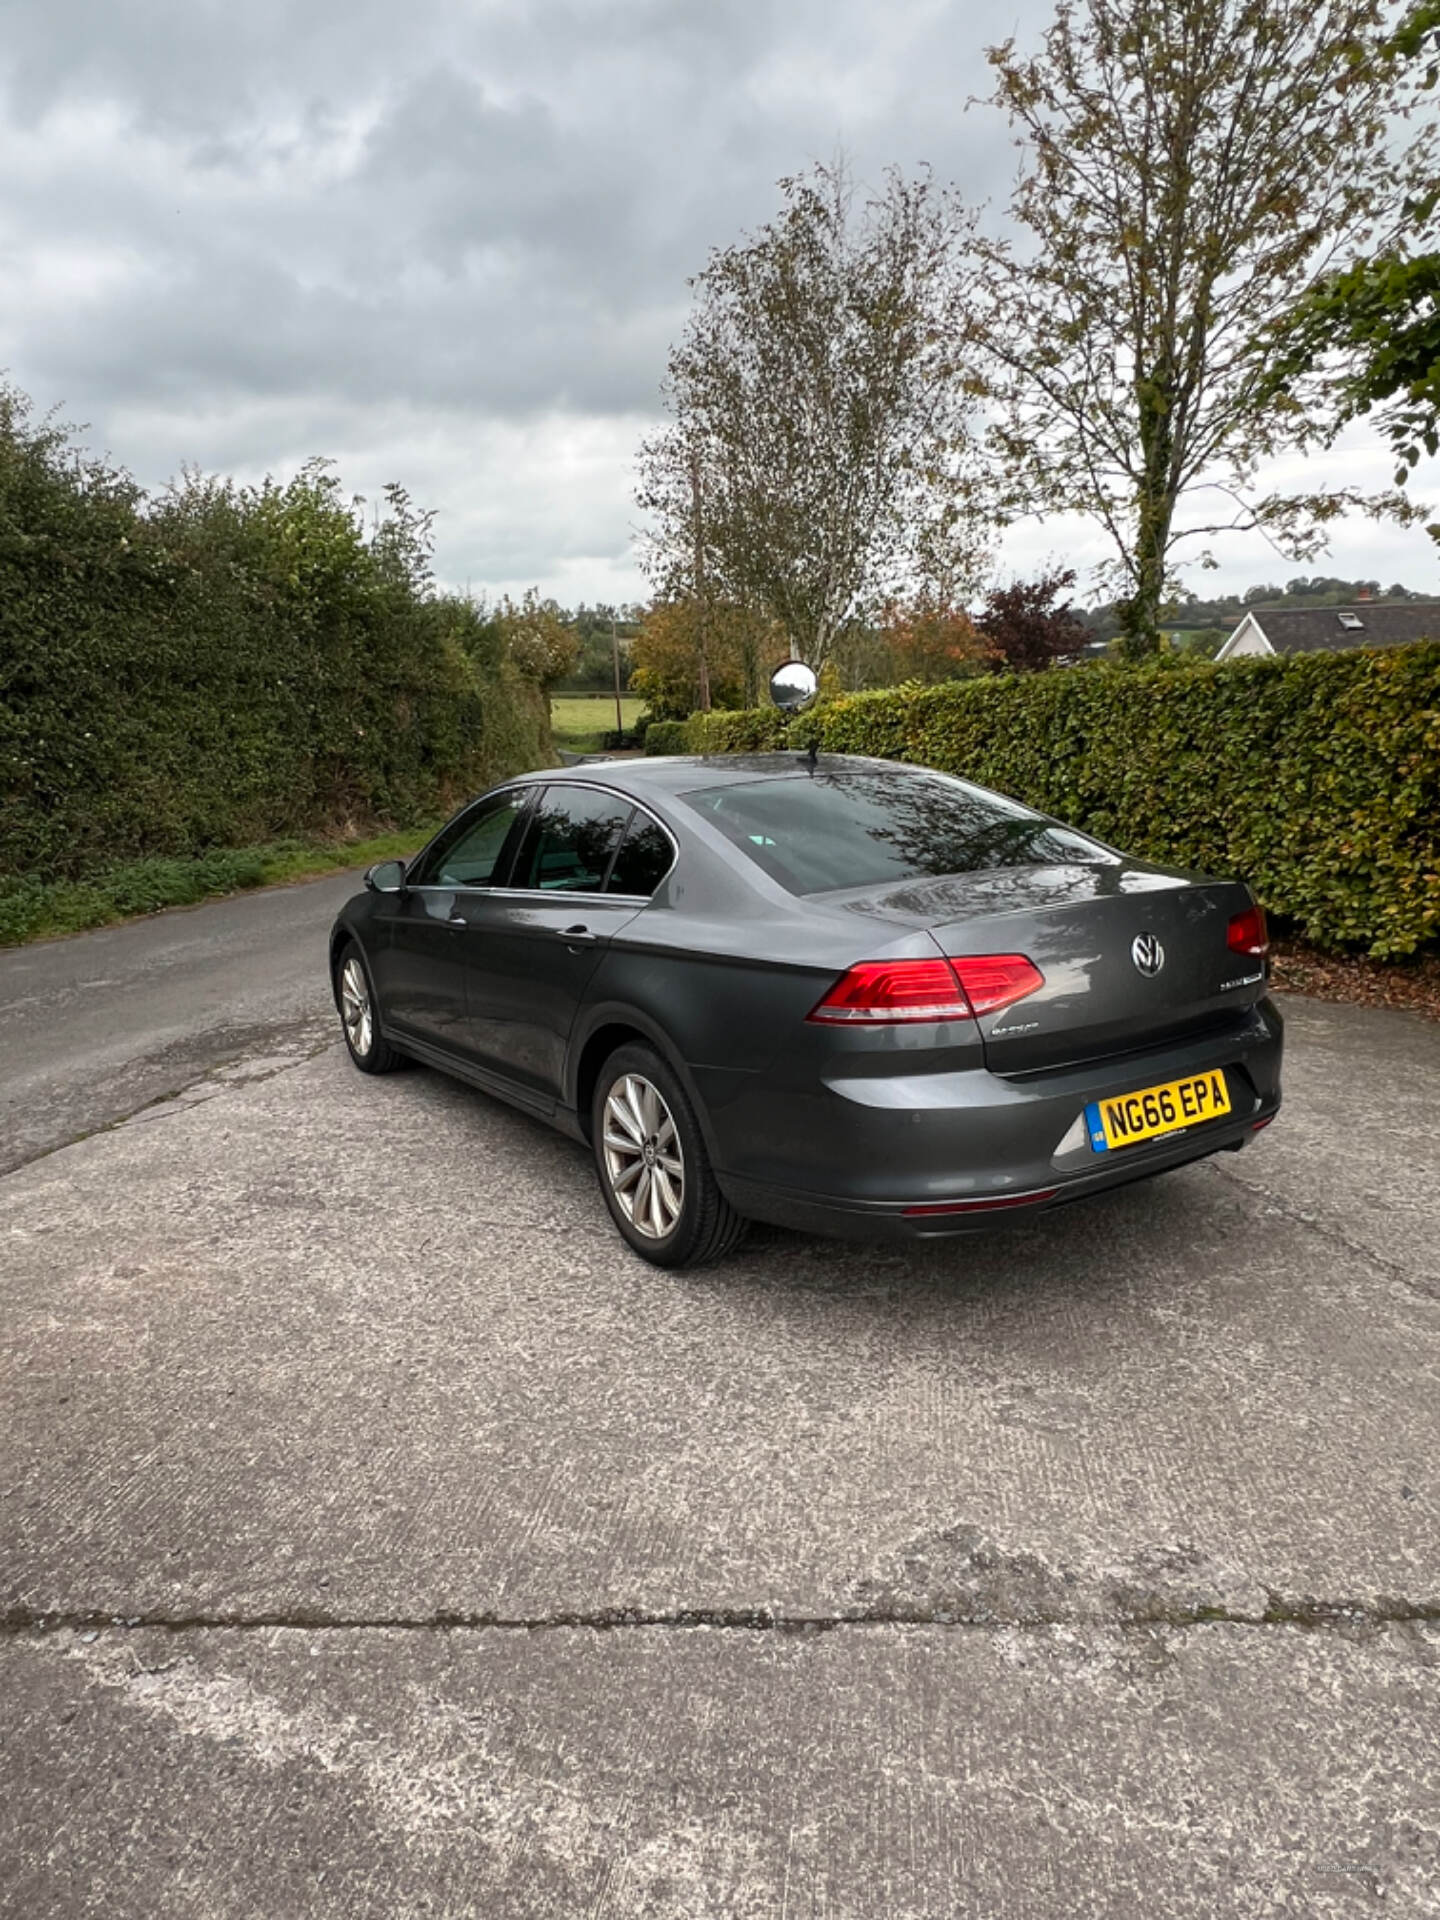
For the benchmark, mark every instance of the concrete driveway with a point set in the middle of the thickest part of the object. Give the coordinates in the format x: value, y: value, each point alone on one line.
x: 378, y: 1537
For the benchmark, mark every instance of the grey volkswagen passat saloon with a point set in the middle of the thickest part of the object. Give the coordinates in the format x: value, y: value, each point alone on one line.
x: 839, y: 994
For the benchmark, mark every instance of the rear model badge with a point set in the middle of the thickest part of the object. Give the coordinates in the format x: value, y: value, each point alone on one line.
x: 1148, y: 954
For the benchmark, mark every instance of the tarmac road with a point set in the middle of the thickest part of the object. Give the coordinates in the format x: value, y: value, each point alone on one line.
x: 93, y: 1028
x: 379, y: 1537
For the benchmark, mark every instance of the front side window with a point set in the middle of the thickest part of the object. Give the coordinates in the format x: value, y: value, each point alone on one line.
x: 570, y: 840
x: 834, y: 830
x: 472, y: 856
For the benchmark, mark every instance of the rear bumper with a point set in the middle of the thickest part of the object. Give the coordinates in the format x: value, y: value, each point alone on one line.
x: 892, y: 1220
x: 843, y: 1162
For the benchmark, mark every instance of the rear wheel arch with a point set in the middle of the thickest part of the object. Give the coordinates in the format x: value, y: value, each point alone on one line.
x: 690, y: 1221
x: 618, y: 1027
x: 597, y: 1049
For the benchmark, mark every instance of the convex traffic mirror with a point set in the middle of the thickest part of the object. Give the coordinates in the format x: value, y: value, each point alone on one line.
x: 793, y: 686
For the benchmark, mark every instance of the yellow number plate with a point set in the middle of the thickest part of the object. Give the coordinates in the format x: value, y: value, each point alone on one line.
x: 1132, y: 1117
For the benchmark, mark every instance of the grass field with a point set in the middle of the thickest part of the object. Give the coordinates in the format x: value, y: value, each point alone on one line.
x: 578, y: 719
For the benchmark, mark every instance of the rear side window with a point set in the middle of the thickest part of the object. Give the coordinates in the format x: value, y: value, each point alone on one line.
x: 643, y: 859
x: 828, y: 831
x: 569, y: 842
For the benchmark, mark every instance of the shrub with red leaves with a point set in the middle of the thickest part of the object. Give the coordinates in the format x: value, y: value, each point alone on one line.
x: 1024, y: 625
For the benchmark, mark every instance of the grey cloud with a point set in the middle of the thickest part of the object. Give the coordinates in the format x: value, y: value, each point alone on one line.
x: 226, y: 222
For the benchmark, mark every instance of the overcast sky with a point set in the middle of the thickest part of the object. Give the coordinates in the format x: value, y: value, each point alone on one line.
x: 446, y: 241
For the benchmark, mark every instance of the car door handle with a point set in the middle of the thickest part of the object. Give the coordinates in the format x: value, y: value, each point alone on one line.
x: 580, y: 936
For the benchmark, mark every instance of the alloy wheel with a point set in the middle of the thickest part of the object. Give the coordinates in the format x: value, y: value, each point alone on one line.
x: 644, y: 1162
x: 355, y: 1006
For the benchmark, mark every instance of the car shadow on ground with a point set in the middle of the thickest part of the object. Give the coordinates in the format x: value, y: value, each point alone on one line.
x: 1099, y: 1253
x: 1092, y: 1263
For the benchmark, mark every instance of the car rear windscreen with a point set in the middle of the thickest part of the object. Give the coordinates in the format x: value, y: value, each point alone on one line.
x: 827, y: 831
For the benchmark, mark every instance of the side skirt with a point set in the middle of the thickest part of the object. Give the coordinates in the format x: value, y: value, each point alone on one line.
x: 536, y: 1105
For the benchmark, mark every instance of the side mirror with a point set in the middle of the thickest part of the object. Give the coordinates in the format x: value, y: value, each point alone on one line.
x: 793, y: 686
x: 387, y: 877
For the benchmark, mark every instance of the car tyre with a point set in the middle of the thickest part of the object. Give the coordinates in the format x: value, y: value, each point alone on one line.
x: 654, y: 1171
x: 355, y: 997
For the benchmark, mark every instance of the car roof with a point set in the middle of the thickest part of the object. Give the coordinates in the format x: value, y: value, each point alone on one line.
x: 690, y: 773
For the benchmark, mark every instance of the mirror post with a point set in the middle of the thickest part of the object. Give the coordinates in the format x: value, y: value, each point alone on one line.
x: 615, y: 657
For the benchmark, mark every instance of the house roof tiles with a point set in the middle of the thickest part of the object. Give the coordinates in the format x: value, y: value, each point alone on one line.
x: 1335, y: 629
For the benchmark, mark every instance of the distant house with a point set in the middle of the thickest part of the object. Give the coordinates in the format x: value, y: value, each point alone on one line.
x: 1270, y: 630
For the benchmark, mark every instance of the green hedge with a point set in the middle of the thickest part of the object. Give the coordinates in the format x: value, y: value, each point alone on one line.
x: 667, y: 736
x: 1315, y: 778
x: 228, y: 666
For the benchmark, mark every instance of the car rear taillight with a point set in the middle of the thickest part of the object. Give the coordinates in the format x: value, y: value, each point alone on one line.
x: 995, y: 980
x: 888, y: 990
x: 884, y: 991
x: 1247, y: 934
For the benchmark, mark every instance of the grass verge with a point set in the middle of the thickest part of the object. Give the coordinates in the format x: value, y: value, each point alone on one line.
x: 35, y: 909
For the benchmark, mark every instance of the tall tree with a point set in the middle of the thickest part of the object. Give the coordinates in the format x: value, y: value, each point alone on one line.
x: 814, y: 462
x: 1190, y: 165
x: 1377, y: 320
